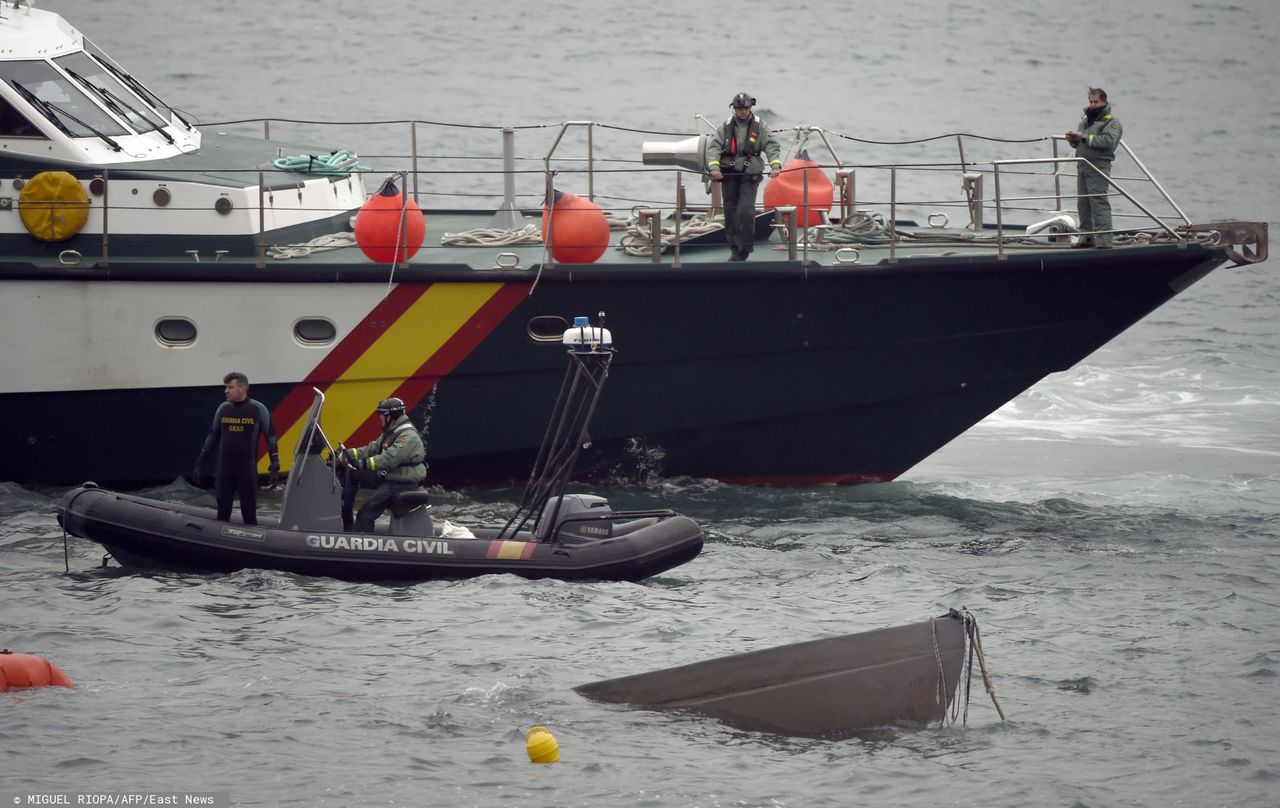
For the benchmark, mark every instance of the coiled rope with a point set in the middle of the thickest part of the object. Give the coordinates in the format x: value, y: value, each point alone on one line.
x: 333, y: 241
x: 638, y: 240
x: 493, y: 237
x: 861, y: 227
x: 338, y: 162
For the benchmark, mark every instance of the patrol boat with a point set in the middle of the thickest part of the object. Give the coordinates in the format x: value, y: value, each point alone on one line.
x: 552, y: 534
x: 151, y: 256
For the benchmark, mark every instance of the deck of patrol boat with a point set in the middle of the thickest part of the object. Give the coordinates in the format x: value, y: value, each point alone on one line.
x: 913, y: 243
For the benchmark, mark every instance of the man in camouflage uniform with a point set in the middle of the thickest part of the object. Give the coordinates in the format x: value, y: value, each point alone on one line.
x: 733, y: 158
x: 1096, y: 141
x: 391, y: 464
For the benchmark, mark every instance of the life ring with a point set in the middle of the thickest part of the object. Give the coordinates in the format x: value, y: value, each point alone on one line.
x: 53, y: 206
x: 25, y: 670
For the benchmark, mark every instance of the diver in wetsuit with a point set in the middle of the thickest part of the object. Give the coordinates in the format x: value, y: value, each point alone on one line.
x: 237, y: 423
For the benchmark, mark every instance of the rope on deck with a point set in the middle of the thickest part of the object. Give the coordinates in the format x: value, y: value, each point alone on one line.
x: 333, y: 241
x: 860, y: 226
x: 337, y: 162
x: 638, y: 241
x: 493, y: 237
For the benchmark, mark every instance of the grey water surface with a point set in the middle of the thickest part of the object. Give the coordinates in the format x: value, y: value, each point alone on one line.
x: 1114, y: 529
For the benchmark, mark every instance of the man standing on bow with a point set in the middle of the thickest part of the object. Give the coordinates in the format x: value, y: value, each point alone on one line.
x: 237, y: 424
x: 1096, y: 141
x: 733, y: 158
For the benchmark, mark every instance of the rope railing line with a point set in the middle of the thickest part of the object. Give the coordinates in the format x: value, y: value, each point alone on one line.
x: 614, y: 127
x: 401, y: 121
x: 950, y: 136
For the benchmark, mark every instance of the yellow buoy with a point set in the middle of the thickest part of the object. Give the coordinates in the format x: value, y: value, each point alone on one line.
x: 541, y: 745
x: 53, y: 206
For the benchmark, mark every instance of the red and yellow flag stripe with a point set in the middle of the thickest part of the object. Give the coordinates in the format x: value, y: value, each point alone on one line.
x: 511, y: 550
x: 415, y: 336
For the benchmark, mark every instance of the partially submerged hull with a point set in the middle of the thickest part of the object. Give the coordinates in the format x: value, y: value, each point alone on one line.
x: 150, y: 534
x: 830, y: 688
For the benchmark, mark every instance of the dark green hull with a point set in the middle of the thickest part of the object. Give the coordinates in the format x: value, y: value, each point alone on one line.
x: 767, y: 373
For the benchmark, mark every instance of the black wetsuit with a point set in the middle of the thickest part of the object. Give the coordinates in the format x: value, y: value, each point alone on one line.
x: 234, y: 433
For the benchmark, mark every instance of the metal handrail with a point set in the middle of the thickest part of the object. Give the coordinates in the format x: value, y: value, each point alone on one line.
x: 1056, y: 161
x: 564, y: 127
x: 1154, y: 181
x: 844, y: 180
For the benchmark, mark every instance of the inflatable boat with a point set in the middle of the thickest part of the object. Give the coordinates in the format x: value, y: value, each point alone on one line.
x: 553, y: 534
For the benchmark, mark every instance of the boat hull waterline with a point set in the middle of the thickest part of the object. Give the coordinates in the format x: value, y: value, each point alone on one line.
x: 774, y: 374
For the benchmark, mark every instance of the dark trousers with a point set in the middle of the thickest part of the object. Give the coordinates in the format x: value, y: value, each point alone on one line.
x: 1092, y: 202
x: 739, y: 192
x: 241, y: 481
x: 378, y: 502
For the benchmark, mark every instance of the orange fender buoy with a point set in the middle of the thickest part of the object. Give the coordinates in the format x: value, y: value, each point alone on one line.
x: 579, y: 229
x: 788, y: 189
x: 25, y: 670
x: 53, y: 206
x: 378, y: 231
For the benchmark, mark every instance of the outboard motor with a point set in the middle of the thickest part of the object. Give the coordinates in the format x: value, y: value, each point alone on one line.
x: 558, y: 510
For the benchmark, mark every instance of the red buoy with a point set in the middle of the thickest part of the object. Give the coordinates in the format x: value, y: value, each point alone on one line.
x: 788, y: 189
x: 25, y: 670
x: 378, y: 226
x: 579, y: 230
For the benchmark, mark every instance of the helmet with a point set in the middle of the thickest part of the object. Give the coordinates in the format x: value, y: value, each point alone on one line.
x: 743, y: 101
x: 391, y: 406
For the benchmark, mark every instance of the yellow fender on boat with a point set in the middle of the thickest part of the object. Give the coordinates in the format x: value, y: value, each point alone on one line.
x: 53, y: 206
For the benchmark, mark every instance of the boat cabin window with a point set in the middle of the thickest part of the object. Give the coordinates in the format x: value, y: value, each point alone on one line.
x: 101, y: 83
x: 176, y: 331
x: 314, y: 331
x: 15, y: 124
x: 62, y: 102
x: 129, y: 81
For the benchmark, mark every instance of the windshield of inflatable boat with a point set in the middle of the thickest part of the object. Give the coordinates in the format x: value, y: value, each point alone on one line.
x: 313, y: 440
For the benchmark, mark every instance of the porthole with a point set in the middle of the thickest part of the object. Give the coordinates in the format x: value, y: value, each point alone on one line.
x: 175, y: 331
x: 547, y: 328
x: 314, y: 331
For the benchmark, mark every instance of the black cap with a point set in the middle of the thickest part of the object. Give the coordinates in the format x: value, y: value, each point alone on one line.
x: 743, y: 101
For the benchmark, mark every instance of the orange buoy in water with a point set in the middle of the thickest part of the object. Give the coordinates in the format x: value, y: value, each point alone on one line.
x: 378, y: 226
x: 579, y: 229
x: 25, y: 670
x: 788, y: 189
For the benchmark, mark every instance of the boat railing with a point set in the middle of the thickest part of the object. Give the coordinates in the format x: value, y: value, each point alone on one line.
x: 1061, y: 161
x: 1026, y: 184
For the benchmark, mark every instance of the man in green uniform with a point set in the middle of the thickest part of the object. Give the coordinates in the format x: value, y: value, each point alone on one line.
x: 394, y: 460
x: 237, y: 423
x: 1096, y: 141
x: 733, y: 158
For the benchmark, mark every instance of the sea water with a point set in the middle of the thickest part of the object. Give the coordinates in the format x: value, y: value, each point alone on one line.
x: 1114, y: 529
